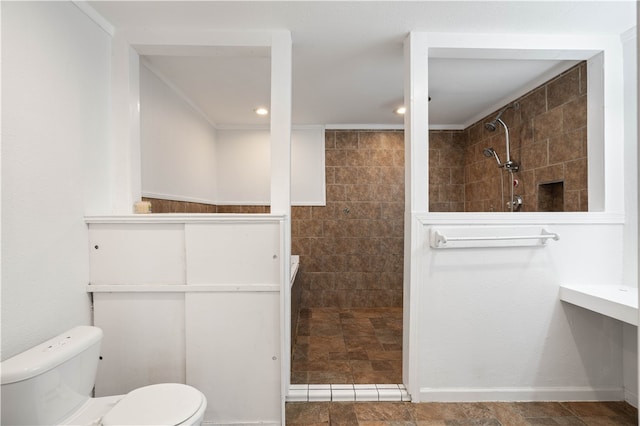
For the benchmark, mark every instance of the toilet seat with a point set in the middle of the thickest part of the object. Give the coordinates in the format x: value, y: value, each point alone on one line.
x: 164, y: 404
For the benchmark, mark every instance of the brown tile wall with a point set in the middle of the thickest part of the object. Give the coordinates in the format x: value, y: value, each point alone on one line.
x: 446, y: 175
x: 548, y: 135
x: 244, y: 209
x: 351, y: 250
x: 169, y: 206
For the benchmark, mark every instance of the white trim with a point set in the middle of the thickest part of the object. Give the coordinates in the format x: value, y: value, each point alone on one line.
x: 161, y: 41
x: 183, y: 288
x: 631, y: 398
x: 125, y: 126
x: 310, y: 203
x: 280, y: 197
x: 630, y: 34
x: 171, y: 197
x: 96, y: 17
x: 416, y: 142
x: 266, y: 127
x: 604, y: 126
x: 500, y: 218
x: 243, y: 203
x: 186, y: 218
x: 207, y: 423
x: 239, y: 203
x: 568, y: 393
x: 595, y: 133
x: 364, y: 126
x: 447, y: 126
x: 242, y: 127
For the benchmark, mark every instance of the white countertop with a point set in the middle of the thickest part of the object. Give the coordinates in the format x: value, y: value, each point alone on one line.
x: 616, y: 301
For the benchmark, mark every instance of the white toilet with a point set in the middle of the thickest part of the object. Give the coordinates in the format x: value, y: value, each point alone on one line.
x: 51, y: 384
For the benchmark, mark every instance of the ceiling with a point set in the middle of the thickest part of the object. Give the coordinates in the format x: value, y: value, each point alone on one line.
x: 348, y: 56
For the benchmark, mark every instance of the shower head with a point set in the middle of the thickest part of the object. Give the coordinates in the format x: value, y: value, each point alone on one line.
x: 490, y: 152
x: 493, y: 125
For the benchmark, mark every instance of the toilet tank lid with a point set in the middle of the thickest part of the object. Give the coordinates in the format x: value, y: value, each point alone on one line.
x: 49, y: 355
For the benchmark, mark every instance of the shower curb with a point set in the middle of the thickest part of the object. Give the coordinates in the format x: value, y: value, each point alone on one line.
x: 347, y: 392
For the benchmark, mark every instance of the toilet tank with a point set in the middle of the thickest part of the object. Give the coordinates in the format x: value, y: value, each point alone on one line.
x: 48, y: 382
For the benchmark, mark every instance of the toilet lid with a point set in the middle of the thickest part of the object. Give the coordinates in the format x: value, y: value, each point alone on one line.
x: 165, y: 404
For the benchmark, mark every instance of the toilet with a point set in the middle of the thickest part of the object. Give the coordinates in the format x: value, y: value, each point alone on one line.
x: 51, y: 384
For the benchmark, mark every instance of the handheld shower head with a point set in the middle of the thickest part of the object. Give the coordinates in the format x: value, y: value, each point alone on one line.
x: 490, y: 152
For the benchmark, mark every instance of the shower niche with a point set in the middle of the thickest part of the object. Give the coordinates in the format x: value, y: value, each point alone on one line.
x: 551, y: 197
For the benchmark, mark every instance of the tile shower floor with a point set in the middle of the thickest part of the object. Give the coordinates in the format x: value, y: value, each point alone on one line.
x: 348, y: 346
x: 363, y: 346
x: 457, y: 414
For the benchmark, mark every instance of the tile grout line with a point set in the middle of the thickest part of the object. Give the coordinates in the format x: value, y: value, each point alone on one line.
x: 347, y: 393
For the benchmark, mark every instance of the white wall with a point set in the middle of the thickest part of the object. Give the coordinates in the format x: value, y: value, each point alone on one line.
x: 185, y: 158
x: 55, y: 110
x: 307, y: 167
x: 488, y: 321
x: 178, y: 145
x: 630, y: 242
x: 492, y: 326
x: 244, y: 169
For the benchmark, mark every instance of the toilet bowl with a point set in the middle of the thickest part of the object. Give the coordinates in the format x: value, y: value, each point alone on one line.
x: 51, y: 384
x: 162, y: 404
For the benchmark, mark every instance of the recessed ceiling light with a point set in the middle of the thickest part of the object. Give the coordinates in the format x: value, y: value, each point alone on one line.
x: 261, y: 111
x: 400, y: 110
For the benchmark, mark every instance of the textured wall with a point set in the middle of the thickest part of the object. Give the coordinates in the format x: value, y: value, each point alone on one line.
x: 351, y: 250
x: 55, y: 127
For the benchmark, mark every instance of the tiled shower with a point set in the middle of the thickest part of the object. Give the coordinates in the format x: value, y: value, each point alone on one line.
x: 351, y: 250
x: 548, y: 139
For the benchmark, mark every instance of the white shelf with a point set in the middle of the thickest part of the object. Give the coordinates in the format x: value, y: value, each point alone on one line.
x: 615, y: 301
x: 182, y: 288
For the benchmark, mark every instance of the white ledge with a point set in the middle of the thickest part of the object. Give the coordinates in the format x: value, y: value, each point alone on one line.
x: 187, y: 218
x: 181, y: 288
x: 615, y: 301
x: 520, y: 218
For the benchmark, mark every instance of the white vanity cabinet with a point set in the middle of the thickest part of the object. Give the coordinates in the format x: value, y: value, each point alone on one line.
x: 192, y: 299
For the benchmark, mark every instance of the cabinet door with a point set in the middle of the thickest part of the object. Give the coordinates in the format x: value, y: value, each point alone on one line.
x: 137, y: 254
x: 143, y: 341
x: 233, y: 347
x: 233, y: 253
